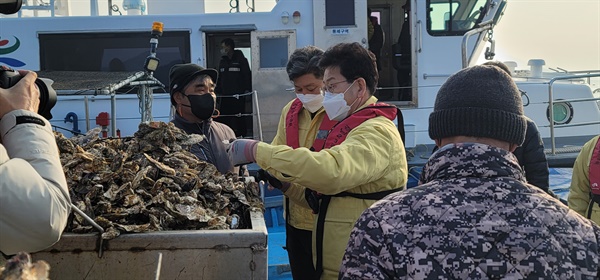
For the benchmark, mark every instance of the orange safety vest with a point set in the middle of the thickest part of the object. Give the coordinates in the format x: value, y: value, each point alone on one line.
x: 292, y: 127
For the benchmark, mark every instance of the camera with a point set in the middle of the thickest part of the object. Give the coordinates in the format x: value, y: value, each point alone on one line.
x: 10, y: 77
x: 9, y: 7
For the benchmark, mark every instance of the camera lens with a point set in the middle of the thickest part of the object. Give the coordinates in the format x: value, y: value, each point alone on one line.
x: 47, y: 97
x: 9, y: 78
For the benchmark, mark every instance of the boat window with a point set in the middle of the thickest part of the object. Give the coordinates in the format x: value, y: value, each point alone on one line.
x: 273, y: 52
x: 453, y: 17
x: 339, y: 13
x: 112, y: 51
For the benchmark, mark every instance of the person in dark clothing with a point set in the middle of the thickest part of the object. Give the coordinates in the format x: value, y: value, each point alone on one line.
x: 192, y: 95
x: 377, y: 40
x: 532, y: 158
x: 234, y: 78
x: 474, y: 216
x: 402, y: 57
x: 531, y: 154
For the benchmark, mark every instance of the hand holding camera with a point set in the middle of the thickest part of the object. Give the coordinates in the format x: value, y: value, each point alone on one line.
x: 23, y: 90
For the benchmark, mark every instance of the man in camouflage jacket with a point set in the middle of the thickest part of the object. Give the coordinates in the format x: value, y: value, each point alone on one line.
x: 474, y: 216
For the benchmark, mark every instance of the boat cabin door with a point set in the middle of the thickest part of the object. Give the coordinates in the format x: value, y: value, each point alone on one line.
x: 270, y: 53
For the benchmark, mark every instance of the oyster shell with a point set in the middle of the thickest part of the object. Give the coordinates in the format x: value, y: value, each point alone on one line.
x: 151, y: 182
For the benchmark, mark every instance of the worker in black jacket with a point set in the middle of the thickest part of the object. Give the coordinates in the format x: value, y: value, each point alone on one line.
x: 532, y: 158
x: 234, y: 78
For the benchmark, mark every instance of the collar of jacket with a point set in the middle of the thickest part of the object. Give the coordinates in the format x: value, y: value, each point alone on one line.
x: 196, y: 127
x: 462, y: 160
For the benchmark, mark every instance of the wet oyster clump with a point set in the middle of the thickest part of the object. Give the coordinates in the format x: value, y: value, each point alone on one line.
x: 20, y: 267
x: 151, y: 182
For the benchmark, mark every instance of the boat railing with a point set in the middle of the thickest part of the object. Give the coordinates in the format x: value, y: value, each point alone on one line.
x: 551, y: 102
x: 48, y: 7
x: 256, y: 110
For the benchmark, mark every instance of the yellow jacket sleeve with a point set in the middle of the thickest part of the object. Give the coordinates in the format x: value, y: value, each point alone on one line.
x: 579, y: 193
x: 364, y: 157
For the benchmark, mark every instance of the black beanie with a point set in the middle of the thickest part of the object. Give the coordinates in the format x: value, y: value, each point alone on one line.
x: 181, y: 74
x: 479, y: 101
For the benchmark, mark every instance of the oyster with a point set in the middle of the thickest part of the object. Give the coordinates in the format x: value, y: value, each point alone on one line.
x: 151, y: 182
x: 20, y: 267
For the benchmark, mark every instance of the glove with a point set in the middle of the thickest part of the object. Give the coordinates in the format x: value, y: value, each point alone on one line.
x: 242, y: 151
x: 265, y: 176
x: 313, y: 199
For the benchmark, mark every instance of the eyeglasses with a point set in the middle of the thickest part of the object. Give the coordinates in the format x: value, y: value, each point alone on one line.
x: 331, y: 87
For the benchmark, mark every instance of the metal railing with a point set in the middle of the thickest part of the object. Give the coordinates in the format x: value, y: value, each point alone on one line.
x: 551, y: 103
x: 256, y: 108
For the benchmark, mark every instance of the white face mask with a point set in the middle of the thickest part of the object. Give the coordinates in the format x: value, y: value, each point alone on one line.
x: 335, y: 105
x: 312, y: 102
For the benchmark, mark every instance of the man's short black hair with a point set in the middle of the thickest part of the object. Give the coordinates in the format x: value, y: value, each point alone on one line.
x: 229, y: 42
x: 354, y: 62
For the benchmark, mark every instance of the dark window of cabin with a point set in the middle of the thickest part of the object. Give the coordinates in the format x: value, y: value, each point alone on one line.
x: 339, y: 13
x: 453, y: 17
x: 112, y: 51
x: 273, y: 52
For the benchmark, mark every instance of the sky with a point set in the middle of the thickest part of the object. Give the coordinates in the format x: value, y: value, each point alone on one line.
x: 565, y: 33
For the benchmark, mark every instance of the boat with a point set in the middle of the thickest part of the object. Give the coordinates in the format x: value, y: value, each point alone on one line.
x: 52, y: 38
x: 426, y: 41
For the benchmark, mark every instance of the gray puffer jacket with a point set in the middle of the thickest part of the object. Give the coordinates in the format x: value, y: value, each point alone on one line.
x: 474, y: 218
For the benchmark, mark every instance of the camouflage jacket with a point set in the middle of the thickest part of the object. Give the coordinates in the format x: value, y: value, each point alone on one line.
x: 473, y: 218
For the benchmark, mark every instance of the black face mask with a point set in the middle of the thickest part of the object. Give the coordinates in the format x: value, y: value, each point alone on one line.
x: 203, y: 106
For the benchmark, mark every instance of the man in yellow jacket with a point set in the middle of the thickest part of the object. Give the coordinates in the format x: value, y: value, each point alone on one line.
x: 301, y: 120
x: 362, y: 158
x: 585, y: 183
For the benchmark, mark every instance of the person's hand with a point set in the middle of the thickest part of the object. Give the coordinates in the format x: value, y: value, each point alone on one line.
x: 270, y: 181
x: 242, y: 151
x: 24, y: 95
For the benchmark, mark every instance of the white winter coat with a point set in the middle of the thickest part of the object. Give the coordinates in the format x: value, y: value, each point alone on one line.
x: 34, y: 199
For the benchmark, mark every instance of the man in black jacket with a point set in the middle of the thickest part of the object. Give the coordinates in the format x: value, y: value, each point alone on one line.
x: 234, y: 78
x: 192, y: 95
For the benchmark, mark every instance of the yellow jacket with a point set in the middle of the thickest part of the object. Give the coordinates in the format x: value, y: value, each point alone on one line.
x: 371, y: 159
x: 579, y: 193
x: 300, y: 216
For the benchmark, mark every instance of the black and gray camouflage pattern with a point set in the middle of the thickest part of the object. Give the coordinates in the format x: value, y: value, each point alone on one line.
x: 474, y: 218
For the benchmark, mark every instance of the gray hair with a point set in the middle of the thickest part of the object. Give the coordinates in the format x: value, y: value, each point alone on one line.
x: 305, y: 61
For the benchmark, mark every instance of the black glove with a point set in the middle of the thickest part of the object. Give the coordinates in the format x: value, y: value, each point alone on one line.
x: 313, y: 199
x: 265, y: 176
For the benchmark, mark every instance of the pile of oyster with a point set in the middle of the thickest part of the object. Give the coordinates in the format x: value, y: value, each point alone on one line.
x: 151, y: 182
x: 20, y: 267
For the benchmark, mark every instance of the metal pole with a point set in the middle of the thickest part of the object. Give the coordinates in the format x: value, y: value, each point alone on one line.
x: 143, y: 102
x: 113, y: 114
x: 551, y: 113
x: 87, y: 113
x: 465, y: 59
x: 257, y: 110
x: 157, y: 276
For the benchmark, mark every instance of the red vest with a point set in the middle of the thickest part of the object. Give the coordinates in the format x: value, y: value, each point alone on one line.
x: 339, y: 132
x: 595, y: 170
x: 291, y: 127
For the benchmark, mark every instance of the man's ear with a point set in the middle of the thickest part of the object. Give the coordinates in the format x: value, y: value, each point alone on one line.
x: 512, y: 147
x: 177, y: 96
x: 362, y: 87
